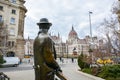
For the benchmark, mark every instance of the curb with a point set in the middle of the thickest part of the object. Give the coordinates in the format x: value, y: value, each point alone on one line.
x: 91, y: 76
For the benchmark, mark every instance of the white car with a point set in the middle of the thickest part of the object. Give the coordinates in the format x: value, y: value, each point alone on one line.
x: 11, y: 61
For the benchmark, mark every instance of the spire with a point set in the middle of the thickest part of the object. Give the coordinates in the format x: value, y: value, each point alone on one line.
x: 58, y: 35
x: 72, y: 28
x: 50, y: 34
x: 72, y: 33
x: 28, y: 38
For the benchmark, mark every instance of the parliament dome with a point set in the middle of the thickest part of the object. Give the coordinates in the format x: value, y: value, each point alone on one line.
x: 72, y: 33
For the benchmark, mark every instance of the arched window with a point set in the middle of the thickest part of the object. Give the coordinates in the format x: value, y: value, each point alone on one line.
x: 10, y: 54
x: 13, y: 1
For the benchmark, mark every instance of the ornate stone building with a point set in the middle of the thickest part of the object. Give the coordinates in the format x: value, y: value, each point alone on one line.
x: 12, y: 15
x: 28, y: 47
x: 59, y: 45
x: 75, y: 44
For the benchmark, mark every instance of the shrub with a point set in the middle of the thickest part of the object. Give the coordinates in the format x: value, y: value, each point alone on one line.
x: 1, y: 59
x: 81, y: 62
x: 110, y: 72
x: 87, y: 70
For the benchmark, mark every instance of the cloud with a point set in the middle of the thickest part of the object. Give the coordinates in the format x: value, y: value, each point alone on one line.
x: 65, y: 13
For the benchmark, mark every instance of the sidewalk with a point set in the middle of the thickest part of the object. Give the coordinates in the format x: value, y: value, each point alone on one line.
x: 21, y: 75
x: 29, y: 75
x: 70, y: 71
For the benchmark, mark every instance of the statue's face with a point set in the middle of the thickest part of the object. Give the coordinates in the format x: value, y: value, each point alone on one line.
x: 44, y: 26
x: 44, y: 30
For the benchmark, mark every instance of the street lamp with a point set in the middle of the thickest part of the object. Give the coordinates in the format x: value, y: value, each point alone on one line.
x: 67, y: 51
x: 90, y: 23
x: 91, y: 41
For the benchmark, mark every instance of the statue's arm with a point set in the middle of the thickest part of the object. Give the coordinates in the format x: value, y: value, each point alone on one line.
x: 54, y: 52
x: 49, y: 58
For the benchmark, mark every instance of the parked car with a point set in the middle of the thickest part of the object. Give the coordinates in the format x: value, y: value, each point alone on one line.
x: 11, y: 61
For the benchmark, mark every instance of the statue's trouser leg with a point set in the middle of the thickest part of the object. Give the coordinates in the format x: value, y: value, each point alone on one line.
x: 50, y: 77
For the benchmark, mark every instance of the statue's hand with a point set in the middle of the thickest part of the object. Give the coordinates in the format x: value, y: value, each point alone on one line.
x: 61, y: 76
x: 58, y: 70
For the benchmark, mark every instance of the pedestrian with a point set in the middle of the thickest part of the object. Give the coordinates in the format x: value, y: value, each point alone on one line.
x: 20, y: 60
x: 29, y: 61
x: 72, y: 60
x: 60, y: 59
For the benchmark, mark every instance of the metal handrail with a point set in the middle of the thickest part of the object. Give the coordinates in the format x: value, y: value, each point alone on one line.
x: 58, y: 74
x: 3, y: 76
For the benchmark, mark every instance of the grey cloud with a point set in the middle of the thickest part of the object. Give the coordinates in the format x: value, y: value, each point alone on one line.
x: 64, y: 13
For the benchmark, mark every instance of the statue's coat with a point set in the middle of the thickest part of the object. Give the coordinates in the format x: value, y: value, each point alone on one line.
x: 44, y: 57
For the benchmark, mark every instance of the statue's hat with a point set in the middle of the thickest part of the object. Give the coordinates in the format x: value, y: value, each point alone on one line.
x: 44, y: 21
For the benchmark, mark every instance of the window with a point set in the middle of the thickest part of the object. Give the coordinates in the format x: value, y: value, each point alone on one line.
x: 13, y: 1
x: 12, y: 20
x: 12, y: 32
x: 0, y: 43
x: 0, y: 18
x: 1, y: 8
x: 13, y: 11
x: 11, y: 43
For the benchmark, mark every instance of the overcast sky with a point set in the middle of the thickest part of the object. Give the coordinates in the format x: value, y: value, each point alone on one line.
x: 65, y: 13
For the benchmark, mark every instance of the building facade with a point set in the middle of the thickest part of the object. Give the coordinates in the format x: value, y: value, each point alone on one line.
x: 12, y: 15
x: 28, y: 47
x: 73, y: 46
x: 59, y: 45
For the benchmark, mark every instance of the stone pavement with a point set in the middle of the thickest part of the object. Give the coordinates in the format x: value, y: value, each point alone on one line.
x: 70, y: 70
x: 72, y: 73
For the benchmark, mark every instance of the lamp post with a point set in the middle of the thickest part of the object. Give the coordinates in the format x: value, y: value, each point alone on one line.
x: 90, y: 23
x: 67, y: 51
x: 91, y: 41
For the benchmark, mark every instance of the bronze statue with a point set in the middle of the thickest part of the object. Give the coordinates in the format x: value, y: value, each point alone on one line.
x: 44, y: 54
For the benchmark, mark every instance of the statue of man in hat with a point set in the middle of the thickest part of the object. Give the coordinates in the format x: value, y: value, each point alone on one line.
x: 44, y: 54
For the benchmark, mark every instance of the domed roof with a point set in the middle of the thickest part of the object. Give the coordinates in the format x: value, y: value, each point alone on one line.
x: 72, y: 33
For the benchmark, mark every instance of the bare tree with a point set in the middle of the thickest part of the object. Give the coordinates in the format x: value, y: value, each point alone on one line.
x: 109, y: 30
x: 116, y: 9
x: 3, y: 36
